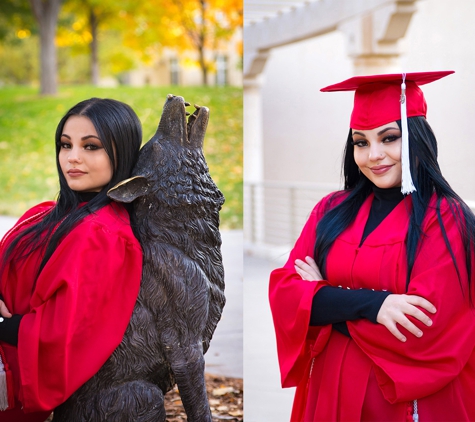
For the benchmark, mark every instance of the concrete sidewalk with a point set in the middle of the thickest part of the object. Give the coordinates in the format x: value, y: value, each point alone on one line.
x: 224, y: 356
x: 6, y: 223
x: 264, y: 399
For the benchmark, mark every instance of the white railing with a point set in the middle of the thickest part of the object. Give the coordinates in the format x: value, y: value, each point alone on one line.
x: 275, y: 212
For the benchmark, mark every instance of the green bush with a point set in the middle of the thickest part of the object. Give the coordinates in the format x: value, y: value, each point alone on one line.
x: 19, y: 61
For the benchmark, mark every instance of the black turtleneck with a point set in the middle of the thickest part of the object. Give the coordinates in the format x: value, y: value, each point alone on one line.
x: 87, y: 196
x: 384, y: 201
x: 333, y: 305
x: 9, y: 327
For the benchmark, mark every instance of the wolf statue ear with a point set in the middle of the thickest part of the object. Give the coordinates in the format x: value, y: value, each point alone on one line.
x: 197, y: 124
x: 129, y: 190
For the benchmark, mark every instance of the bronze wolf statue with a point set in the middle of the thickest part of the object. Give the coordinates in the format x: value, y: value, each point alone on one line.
x: 176, y: 218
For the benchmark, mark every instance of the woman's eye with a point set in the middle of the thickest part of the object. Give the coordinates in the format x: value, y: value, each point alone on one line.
x: 391, y: 138
x: 91, y: 147
x: 360, y: 143
x: 65, y: 145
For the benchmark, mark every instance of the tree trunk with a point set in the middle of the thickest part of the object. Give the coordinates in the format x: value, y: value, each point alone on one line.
x: 202, y: 40
x: 94, y: 48
x: 204, y: 68
x: 46, y: 13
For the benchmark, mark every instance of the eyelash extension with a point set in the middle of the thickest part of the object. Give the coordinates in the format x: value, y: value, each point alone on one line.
x: 358, y: 143
x: 391, y: 138
x: 92, y: 147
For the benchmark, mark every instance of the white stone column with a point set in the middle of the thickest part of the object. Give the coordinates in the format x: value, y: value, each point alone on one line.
x: 373, y: 37
x: 254, y: 231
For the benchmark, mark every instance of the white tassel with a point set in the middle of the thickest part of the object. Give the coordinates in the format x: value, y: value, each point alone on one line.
x: 407, y: 186
x: 3, y: 387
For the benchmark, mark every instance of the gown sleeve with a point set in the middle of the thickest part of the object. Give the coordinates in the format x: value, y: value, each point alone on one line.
x: 291, y: 303
x: 423, y: 366
x: 80, y: 309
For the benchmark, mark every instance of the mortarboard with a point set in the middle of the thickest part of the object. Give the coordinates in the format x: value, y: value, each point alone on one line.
x: 381, y: 99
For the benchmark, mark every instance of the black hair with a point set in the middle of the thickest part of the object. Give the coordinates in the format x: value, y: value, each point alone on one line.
x: 120, y: 132
x: 427, y: 179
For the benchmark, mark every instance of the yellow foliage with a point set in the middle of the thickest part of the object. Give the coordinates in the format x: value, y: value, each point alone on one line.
x: 188, y: 62
x: 147, y: 27
x: 182, y: 24
x: 86, y: 37
x: 177, y: 31
x: 240, y: 48
x: 23, y: 33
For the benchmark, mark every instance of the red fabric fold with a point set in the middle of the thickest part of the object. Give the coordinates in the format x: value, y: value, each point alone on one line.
x: 291, y: 302
x: 374, y: 376
x: 77, y: 310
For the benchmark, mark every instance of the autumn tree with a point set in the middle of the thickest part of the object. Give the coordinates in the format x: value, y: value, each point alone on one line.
x: 46, y: 14
x: 18, y: 47
x: 89, y: 17
x: 20, y: 15
x: 198, y: 25
x: 15, y: 15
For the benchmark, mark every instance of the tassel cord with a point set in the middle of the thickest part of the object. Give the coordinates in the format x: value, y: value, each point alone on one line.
x: 407, y: 185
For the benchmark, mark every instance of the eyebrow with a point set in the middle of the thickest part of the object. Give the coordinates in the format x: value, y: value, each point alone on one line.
x: 84, y: 138
x: 386, y: 129
x: 379, y: 133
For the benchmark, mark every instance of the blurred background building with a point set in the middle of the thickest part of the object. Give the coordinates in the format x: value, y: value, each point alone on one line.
x: 179, y: 68
x: 294, y: 134
x: 112, y: 42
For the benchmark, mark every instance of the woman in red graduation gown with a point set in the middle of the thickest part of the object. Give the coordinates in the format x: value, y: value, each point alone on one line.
x: 373, y: 311
x: 71, y: 269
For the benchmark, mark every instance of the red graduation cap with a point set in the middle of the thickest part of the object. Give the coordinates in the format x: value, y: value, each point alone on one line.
x: 381, y: 99
x: 377, y: 97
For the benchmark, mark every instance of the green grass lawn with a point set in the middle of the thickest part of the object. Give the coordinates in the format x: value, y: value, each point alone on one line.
x: 28, y: 123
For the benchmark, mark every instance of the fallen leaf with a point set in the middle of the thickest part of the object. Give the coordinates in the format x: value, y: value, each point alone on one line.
x: 222, y: 391
x: 236, y: 413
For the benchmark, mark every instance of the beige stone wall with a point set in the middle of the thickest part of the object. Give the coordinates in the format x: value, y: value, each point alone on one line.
x: 441, y: 36
x: 304, y: 130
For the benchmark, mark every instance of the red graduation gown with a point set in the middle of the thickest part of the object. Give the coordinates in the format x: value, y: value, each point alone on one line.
x: 374, y: 376
x: 76, y: 311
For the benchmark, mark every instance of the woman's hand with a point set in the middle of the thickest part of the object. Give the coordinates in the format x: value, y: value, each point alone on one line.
x: 308, y: 269
x: 395, y: 309
x: 4, y: 312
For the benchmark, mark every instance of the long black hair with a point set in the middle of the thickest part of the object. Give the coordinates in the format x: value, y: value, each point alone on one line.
x: 427, y: 179
x: 120, y: 132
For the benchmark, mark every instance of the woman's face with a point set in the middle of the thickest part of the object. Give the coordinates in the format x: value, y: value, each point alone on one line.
x: 83, y: 160
x: 377, y: 153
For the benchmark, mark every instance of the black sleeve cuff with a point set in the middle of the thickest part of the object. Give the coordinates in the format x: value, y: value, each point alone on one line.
x: 332, y: 305
x: 9, y: 328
